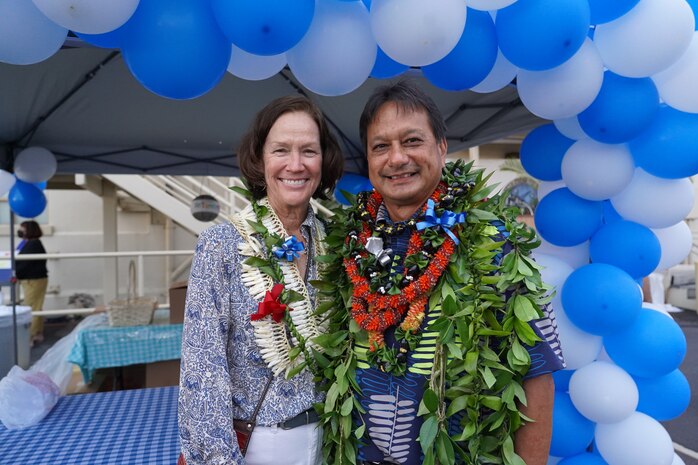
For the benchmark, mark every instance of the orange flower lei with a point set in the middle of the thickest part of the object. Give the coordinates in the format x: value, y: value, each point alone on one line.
x: 376, y: 312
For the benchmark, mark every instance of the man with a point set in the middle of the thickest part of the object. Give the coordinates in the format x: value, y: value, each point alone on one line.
x: 438, y: 307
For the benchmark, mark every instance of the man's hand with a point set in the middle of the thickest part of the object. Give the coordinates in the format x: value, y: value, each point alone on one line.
x: 532, y: 441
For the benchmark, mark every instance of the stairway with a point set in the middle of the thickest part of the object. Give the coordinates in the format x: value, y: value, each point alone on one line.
x: 172, y: 195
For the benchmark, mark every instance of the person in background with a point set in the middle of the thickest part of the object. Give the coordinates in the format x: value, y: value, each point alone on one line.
x: 249, y: 319
x: 32, y: 275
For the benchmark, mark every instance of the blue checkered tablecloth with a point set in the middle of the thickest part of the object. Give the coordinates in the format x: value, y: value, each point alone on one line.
x: 108, y: 428
x: 107, y: 346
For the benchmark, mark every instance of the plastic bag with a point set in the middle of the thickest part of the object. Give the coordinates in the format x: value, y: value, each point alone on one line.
x: 26, y: 398
x: 54, y: 362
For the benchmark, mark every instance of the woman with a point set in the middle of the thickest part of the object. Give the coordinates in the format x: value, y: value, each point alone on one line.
x: 242, y: 350
x: 32, y: 275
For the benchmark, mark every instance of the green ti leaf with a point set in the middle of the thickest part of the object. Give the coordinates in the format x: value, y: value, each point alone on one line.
x: 258, y: 227
x: 428, y: 431
x: 429, y: 404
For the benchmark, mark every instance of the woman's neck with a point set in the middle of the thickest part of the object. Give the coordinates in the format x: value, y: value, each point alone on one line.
x: 291, y: 217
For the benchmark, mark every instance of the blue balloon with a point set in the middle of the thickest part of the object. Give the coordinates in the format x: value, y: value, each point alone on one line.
x: 41, y: 185
x: 623, y: 109
x: 601, y: 299
x: 176, y: 49
x: 586, y: 458
x: 694, y: 7
x: 542, y: 151
x: 565, y: 220
x: 542, y: 34
x: 669, y: 146
x: 264, y: 27
x: 111, y: 39
x: 353, y: 184
x: 385, y: 67
x: 572, y: 432
x: 367, y: 3
x: 652, y: 345
x: 665, y: 397
x: 609, y: 213
x: 471, y: 60
x: 562, y: 380
x: 630, y: 246
x: 26, y: 200
x: 603, y: 11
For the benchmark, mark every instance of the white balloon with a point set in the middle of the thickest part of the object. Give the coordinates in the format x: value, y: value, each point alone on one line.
x: 575, y: 256
x: 26, y: 35
x: 415, y: 32
x: 337, y: 53
x: 570, y: 127
x: 677, y: 460
x: 7, y: 180
x: 554, y: 272
x: 647, y: 39
x: 546, y: 187
x: 88, y: 16
x: 579, y: 347
x: 252, y: 67
x: 677, y: 84
x: 637, y: 440
x: 489, y: 5
x: 566, y: 90
x: 654, y: 202
x: 501, y: 74
x: 676, y: 242
x: 596, y: 171
x: 604, y: 357
x: 35, y: 164
x: 603, y: 392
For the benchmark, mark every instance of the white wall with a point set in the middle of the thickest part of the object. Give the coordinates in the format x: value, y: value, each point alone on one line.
x: 490, y: 157
x: 75, y: 225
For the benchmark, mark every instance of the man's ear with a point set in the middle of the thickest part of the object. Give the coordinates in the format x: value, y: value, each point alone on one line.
x: 443, y: 150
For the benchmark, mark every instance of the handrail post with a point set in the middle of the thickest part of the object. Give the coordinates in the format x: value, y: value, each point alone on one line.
x: 141, y: 277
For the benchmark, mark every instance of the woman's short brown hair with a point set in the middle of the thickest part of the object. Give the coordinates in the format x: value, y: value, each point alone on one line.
x: 32, y: 230
x: 251, y: 151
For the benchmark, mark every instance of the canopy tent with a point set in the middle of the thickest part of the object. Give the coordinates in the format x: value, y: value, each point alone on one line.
x: 84, y: 105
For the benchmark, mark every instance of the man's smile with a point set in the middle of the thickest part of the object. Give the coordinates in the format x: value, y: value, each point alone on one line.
x: 400, y: 176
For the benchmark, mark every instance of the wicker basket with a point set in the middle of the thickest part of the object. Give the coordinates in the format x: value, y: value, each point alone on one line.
x: 132, y: 311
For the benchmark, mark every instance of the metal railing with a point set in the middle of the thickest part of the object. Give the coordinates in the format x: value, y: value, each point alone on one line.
x: 139, y: 255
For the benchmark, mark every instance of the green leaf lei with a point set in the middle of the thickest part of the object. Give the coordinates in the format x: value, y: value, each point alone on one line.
x: 480, y: 357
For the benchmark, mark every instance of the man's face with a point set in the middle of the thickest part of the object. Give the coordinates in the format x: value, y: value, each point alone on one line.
x: 404, y: 158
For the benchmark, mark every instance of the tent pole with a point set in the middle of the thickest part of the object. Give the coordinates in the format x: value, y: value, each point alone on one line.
x: 13, y: 291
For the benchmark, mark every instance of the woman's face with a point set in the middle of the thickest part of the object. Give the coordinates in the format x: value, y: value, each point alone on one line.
x: 292, y: 161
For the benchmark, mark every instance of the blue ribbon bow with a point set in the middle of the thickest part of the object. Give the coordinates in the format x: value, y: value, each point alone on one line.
x: 446, y: 221
x: 289, y: 250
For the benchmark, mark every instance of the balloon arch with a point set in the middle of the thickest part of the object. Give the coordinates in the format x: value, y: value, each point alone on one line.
x: 616, y: 78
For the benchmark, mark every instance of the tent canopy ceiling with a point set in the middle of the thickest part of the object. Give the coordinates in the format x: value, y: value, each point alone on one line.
x: 84, y: 105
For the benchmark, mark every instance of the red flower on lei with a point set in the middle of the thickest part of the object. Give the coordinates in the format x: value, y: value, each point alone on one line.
x: 271, y: 305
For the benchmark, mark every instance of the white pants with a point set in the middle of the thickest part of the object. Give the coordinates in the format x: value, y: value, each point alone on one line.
x: 297, y: 446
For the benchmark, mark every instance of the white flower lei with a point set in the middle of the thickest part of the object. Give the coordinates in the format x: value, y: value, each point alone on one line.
x: 273, y: 339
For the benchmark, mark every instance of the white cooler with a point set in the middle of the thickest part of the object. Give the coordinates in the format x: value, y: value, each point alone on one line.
x: 7, y: 351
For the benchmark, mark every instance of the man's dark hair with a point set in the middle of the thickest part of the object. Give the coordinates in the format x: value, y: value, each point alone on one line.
x: 251, y: 151
x: 408, y: 96
x: 32, y: 230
